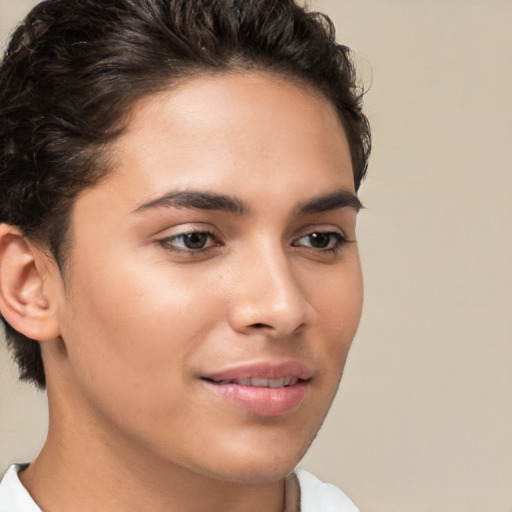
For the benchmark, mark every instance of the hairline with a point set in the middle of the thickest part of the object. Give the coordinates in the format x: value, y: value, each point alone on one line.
x: 105, y: 154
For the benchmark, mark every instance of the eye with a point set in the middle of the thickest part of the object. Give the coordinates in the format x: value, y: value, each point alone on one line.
x: 321, y: 240
x: 191, y: 241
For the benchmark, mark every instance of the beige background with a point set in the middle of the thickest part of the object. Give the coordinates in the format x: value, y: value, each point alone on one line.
x: 423, y: 421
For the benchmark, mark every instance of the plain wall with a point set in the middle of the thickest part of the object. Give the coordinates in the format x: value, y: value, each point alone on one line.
x: 423, y: 419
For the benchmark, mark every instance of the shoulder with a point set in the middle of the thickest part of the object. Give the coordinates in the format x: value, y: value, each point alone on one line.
x: 318, y: 496
x: 13, y: 496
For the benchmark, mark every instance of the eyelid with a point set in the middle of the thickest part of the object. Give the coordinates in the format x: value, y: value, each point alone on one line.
x: 185, y: 228
x: 333, y: 247
x: 166, y: 241
x: 320, y: 228
x: 339, y: 236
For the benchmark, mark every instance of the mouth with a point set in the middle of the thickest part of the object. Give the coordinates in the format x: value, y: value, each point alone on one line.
x: 264, y: 389
x: 261, y: 383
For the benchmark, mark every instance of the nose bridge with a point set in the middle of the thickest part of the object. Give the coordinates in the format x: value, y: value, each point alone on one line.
x: 268, y: 294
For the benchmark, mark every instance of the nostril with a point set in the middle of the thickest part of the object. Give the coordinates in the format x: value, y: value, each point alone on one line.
x: 260, y: 326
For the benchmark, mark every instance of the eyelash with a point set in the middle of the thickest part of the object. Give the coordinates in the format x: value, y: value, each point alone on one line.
x: 339, y: 241
x: 168, y: 243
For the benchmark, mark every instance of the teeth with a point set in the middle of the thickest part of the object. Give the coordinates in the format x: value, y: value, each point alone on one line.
x: 263, y: 383
x: 259, y: 383
x: 276, y: 383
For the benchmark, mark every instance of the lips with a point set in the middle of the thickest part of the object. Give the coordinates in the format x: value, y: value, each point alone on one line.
x: 263, y: 383
x: 263, y: 389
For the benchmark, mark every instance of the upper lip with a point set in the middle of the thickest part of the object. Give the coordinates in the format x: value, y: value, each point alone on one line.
x: 262, y: 370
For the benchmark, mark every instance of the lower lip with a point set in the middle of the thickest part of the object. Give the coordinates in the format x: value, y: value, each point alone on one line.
x: 264, y: 401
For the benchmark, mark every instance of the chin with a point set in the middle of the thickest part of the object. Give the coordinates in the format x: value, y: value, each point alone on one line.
x: 267, y: 458
x: 259, y: 466
x: 250, y: 473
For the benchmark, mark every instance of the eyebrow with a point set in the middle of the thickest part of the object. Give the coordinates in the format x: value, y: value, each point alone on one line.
x: 198, y: 200
x: 331, y: 201
x: 227, y: 204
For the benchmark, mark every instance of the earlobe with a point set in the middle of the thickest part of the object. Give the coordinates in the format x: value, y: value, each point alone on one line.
x: 24, y: 300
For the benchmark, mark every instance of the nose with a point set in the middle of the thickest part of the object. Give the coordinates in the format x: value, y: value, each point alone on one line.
x: 267, y: 296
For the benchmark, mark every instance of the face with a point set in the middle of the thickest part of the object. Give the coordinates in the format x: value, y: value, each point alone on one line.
x: 214, y: 285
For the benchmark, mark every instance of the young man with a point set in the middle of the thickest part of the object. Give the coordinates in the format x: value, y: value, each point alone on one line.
x: 178, y: 263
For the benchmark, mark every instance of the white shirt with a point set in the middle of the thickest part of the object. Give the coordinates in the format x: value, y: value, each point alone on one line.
x: 315, y: 495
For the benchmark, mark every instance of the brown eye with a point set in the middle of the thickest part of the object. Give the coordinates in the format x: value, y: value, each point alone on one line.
x: 319, y: 240
x: 192, y: 241
x: 323, y: 241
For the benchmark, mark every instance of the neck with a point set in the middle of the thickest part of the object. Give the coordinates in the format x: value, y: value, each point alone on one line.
x: 80, y: 481
x: 82, y: 467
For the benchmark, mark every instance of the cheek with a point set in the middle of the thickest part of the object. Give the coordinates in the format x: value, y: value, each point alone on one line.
x: 133, y: 330
x: 343, y: 308
x: 136, y: 319
x: 338, y: 295
x: 338, y: 306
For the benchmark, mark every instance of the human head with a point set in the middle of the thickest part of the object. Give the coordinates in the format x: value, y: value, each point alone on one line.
x: 73, y: 70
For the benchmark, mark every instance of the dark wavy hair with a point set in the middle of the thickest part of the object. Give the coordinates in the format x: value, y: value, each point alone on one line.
x: 73, y: 69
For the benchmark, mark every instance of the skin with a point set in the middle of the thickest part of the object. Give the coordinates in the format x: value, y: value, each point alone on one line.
x: 139, y: 318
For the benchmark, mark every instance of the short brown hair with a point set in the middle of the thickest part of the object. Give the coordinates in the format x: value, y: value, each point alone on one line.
x: 72, y: 70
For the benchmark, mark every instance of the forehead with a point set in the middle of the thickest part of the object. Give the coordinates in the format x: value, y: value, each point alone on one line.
x: 212, y: 121
x: 240, y: 134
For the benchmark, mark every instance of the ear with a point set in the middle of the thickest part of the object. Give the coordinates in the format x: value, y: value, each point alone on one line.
x: 24, y: 285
